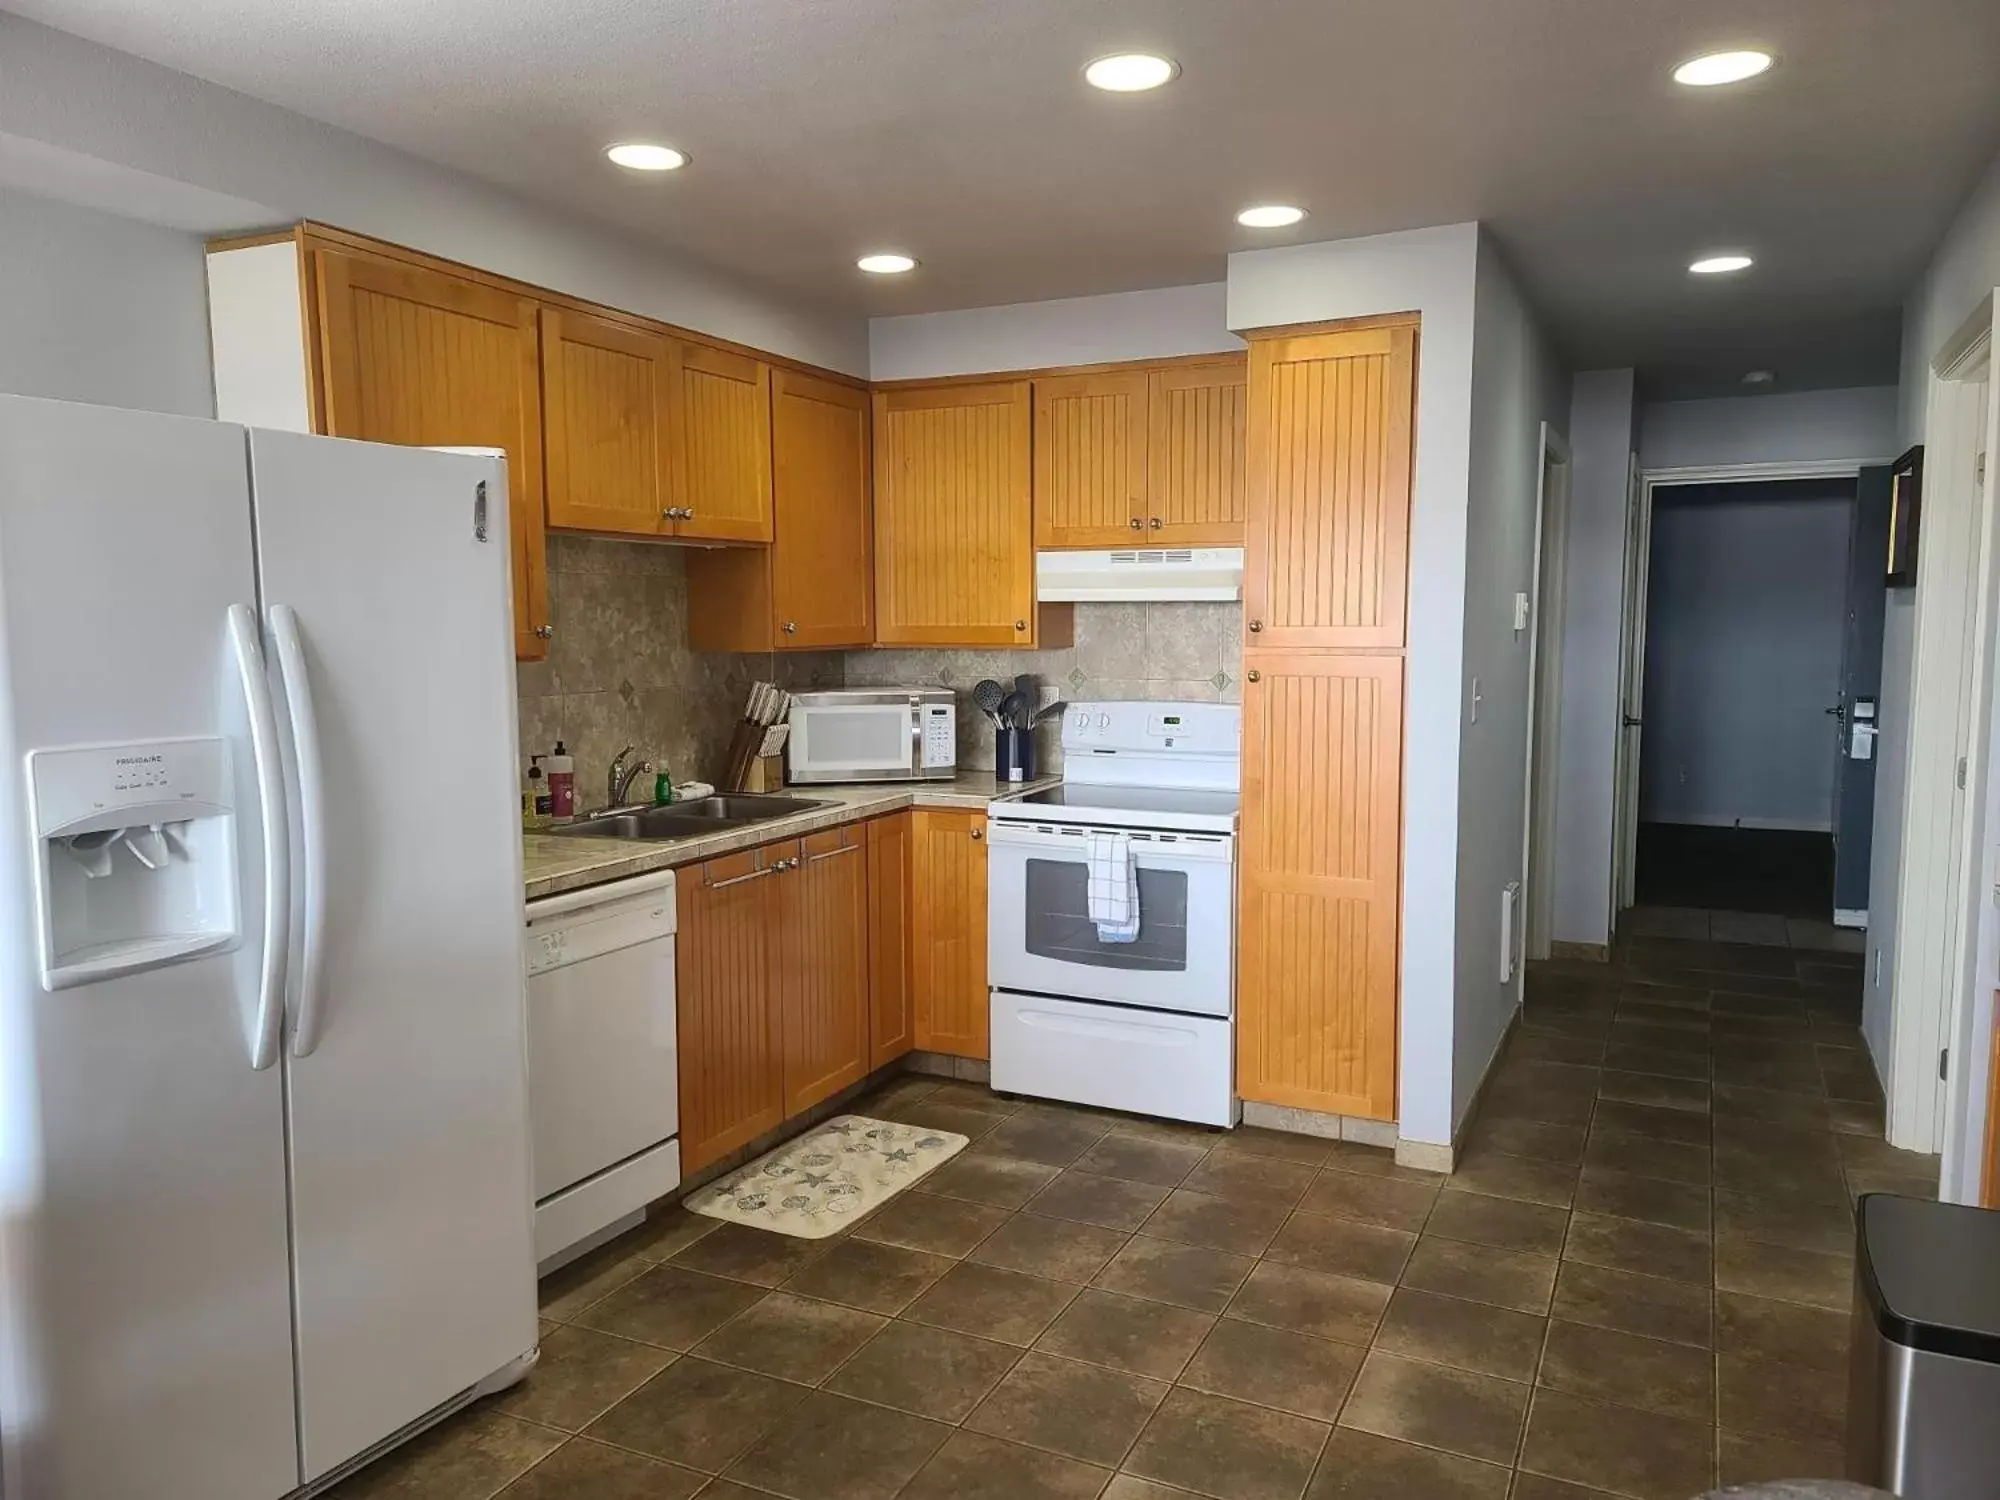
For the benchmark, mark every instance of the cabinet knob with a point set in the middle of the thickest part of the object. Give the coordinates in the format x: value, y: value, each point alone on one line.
x: 791, y: 627
x: 1137, y: 524
x: 1158, y: 524
x: 1253, y: 675
x: 1255, y: 626
x: 979, y: 833
x: 687, y: 512
x: 545, y: 631
x: 1020, y: 624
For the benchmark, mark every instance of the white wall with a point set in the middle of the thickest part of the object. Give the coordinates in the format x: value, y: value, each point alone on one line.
x: 102, y: 309
x: 1963, y: 271
x: 1746, y: 624
x: 1857, y: 425
x: 74, y: 96
x: 1039, y: 335
x: 1601, y: 434
x: 1517, y: 384
x: 1431, y: 272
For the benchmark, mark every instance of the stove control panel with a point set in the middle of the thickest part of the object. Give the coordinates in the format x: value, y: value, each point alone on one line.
x: 1154, y: 728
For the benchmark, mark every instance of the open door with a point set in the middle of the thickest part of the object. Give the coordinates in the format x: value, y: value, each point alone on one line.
x: 1631, y: 695
x: 1856, y: 715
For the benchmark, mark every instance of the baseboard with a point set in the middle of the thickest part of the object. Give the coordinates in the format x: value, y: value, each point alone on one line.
x: 1588, y: 953
x: 1428, y: 1156
x: 1847, y: 917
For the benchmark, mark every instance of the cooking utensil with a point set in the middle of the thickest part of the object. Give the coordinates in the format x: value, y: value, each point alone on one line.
x: 1053, y: 711
x: 1014, y: 709
x: 988, y: 695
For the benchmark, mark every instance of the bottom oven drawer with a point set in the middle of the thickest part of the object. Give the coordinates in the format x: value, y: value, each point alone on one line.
x: 1178, y: 1067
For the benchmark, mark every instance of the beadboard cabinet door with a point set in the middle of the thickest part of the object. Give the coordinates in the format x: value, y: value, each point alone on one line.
x: 414, y: 355
x: 1197, y: 465
x: 822, y: 937
x: 1326, y: 546
x: 954, y: 516
x: 732, y: 1076
x: 813, y: 588
x: 892, y: 1022
x: 610, y: 421
x: 1090, y: 459
x: 1318, y: 881
x: 948, y: 930
x: 725, y: 415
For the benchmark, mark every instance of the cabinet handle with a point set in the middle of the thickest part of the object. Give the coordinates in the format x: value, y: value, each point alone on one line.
x: 1256, y: 626
x: 978, y: 833
x: 723, y: 885
x: 813, y: 859
x: 791, y: 627
x: 1137, y: 524
x: 543, y: 632
x: 687, y: 512
x: 1020, y: 624
x: 1158, y: 524
x: 1253, y: 675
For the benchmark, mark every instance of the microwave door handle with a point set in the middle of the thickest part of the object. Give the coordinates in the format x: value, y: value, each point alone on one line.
x: 916, y: 739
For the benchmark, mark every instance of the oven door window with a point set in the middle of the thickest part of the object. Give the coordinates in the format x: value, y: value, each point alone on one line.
x: 1058, y: 924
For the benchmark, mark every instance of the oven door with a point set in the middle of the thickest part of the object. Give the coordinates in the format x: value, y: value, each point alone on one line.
x: 1040, y: 938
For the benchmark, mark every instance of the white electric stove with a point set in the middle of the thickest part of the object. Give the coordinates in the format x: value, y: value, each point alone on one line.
x: 1145, y: 1026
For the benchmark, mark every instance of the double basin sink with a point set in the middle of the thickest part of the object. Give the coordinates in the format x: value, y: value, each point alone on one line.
x: 682, y: 820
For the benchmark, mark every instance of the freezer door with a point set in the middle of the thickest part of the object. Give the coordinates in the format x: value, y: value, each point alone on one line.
x: 384, y: 580
x: 145, y: 1308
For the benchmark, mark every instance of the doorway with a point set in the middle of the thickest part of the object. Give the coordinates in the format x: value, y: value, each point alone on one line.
x: 1755, y: 670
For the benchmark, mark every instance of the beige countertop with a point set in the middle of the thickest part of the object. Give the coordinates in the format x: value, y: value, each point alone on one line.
x: 556, y: 862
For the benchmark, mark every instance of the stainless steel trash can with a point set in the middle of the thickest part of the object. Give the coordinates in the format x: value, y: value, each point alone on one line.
x: 1923, y: 1406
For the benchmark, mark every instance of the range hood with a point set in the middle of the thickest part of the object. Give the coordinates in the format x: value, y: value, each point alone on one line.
x: 1140, y: 574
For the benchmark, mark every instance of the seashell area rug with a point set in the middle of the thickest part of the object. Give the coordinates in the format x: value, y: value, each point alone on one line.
x: 827, y: 1178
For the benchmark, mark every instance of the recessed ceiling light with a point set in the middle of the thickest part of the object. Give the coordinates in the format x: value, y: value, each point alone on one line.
x: 1270, y: 216
x: 1130, y: 72
x: 642, y: 157
x: 1721, y: 67
x: 886, y: 263
x: 1721, y: 265
x: 1760, y: 377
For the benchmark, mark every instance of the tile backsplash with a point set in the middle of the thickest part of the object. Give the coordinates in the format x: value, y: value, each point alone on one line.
x: 1190, y: 651
x: 619, y: 671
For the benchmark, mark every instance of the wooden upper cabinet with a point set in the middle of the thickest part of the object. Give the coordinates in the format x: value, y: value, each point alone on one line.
x: 1326, y: 550
x: 954, y: 519
x: 822, y: 933
x: 1090, y: 459
x: 725, y: 402
x: 732, y: 1082
x: 1197, y: 478
x: 891, y: 1022
x: 948, y: 931
x: 1318, y: 875
x: 813, y: 588
x: 410, y: 354
x: 610, y: 416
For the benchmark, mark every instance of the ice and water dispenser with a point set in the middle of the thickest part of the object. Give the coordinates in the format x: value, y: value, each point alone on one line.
x: 137, y: 856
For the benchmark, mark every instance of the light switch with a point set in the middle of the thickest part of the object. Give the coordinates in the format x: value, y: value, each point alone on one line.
x: 1475, y: 700
x: 1520, y: 613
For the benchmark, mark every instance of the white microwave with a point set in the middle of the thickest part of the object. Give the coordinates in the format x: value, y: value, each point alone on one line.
x: 873, y: 734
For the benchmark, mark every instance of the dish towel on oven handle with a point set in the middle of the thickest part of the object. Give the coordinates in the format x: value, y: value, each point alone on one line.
x: 1113, y: 887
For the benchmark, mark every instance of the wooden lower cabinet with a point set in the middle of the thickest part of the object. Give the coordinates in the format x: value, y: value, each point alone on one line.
x: 1318, y: 877
x: 731, y: 1055
x: 892, y: 1019
x: 822, y: 971
x: 948, y: 930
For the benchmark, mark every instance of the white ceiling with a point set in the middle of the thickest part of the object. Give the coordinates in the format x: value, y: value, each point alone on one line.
x: 961, y: 131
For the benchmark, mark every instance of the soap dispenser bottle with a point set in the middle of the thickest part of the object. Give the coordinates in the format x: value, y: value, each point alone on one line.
x: 562, y: 785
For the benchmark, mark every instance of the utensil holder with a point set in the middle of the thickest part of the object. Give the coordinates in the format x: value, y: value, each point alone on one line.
x: 1013, y: 754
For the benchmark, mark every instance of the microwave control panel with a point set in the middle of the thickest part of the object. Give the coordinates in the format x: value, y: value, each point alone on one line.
x: 940, y: 735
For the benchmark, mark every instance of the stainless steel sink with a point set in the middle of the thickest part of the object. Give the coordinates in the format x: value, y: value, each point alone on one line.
x: 680, y: 820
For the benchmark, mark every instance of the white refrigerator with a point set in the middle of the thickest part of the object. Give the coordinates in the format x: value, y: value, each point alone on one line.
x: 265, y: 1198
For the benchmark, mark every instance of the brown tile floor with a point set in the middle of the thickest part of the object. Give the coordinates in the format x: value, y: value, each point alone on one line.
x: 1634, y: 1287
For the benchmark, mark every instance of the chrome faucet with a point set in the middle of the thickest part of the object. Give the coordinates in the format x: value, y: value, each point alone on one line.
x: 619, y: 783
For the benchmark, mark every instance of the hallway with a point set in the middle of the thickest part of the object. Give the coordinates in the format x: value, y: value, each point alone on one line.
x: 1635, y: 1286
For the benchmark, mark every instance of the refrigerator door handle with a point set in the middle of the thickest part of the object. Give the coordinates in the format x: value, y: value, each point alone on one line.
x: 312, y: 826
x: 276, y: 833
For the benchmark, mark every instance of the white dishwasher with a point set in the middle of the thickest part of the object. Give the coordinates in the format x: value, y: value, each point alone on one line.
x: 603, y: 1060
